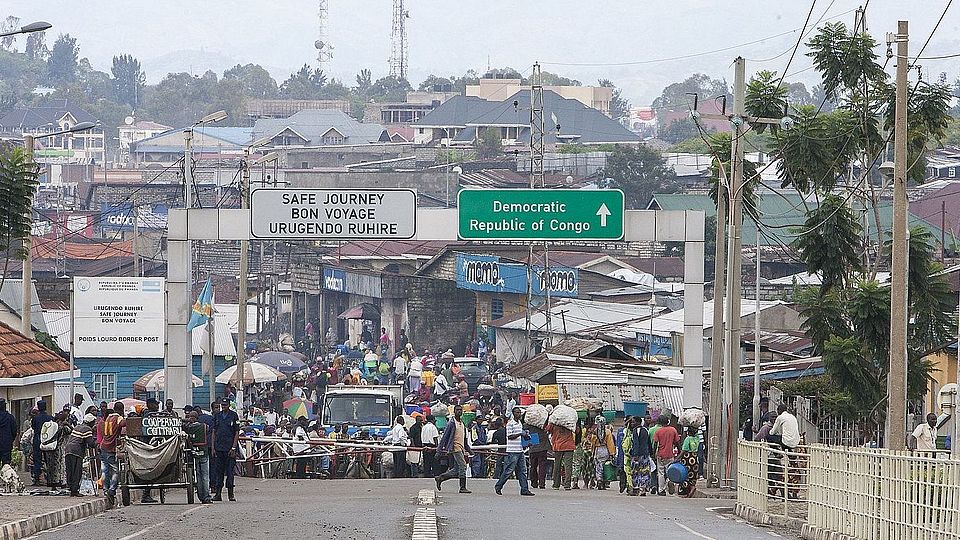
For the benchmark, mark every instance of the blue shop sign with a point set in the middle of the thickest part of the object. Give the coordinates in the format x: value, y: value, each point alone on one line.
x: 486, y: 273
x: 334, y: 279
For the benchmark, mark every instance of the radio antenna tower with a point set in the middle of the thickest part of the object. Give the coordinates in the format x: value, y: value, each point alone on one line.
x: 323, y: 46
x: 398, y: 41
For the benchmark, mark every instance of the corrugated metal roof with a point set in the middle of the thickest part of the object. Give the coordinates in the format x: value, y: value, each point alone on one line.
x: 11, y: 295
x: 578, y: 315
x: 657, y: 398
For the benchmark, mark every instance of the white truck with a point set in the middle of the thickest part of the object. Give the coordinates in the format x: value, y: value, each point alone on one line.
x: 369, y: 409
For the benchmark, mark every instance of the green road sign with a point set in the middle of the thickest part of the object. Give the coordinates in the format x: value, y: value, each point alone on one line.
x: 540, y: 214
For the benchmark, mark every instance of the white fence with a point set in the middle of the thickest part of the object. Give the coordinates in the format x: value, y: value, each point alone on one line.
x: 873, y: 494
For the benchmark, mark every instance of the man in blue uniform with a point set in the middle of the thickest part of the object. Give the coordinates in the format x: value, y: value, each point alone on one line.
x: 226, y: 433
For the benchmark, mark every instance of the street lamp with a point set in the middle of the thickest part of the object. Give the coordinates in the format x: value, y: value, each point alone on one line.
x: 26, y: 325
x: 38, y: 26
x: 188, y: 154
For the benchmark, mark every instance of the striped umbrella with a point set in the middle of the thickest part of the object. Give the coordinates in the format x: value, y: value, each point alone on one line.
x: 156, y: 381
x: 299, y: 407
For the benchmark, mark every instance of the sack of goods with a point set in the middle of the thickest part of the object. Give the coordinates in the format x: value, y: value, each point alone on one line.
x: 585, y: 403
x: 564, y: 416
x: 536, y: 415
x: 692, y: 417
x: 439, y: 410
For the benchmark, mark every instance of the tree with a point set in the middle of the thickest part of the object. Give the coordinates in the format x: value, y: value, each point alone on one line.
x: 306, y: 83
x: 619, y: 106
x: 489, y: 144
x: 63, y: 61
x: 552, y: 79
x: 830, y: 244
x: 640, y: 171
x: 675, y: 96
x: 365, y: 81
x: 36, y: 48
x: 128, y: 80
x: 251, y: 80
x: 18, y: 180
x: 10, y: 24
x: 390, y: 89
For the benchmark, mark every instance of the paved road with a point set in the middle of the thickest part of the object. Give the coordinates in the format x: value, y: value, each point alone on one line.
x: 383, y: 509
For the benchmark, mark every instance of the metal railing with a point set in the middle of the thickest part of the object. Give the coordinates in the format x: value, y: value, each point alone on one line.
x: 772, y: 480
x: 874, y: 494
x: 883, y: 494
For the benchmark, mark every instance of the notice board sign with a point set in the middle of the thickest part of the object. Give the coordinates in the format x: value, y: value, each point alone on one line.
x: 118, y: 317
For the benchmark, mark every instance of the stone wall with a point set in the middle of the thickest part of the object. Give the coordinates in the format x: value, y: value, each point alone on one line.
x: 438, y: 314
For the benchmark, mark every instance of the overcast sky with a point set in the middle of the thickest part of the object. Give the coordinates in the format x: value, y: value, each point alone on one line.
x: 451, y: 36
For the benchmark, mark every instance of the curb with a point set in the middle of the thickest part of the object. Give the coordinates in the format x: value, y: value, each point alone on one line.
x: 425, y: 519
x: 33, y: 525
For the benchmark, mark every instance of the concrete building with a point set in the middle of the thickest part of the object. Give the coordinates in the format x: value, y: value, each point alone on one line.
x: 138, y: 131
x: 493, y: 89
x: 28, y: 372
x: 209, y: 143
x: 56, y: 115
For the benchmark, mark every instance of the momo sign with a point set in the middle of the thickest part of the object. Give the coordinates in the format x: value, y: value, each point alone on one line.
x: 118, y: 317
x: 488, y: 273
x: 341, y: 214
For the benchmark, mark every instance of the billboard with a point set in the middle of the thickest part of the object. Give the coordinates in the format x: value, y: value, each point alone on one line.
x: 486, y: 273
x: 121, y: 216
x: 118, y: 317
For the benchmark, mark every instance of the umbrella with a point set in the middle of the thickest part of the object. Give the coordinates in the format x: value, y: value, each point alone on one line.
x: 280, y: 361
x: 129, y: 403
x: 300, y: 355
x: 156, y: 381
x: 365, y: 311
x: 252, y: 373
x: 299, y: 407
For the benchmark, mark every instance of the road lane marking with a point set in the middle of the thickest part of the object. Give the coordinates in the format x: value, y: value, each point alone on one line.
x: 155, y: 525
x: 425, y: 524
x: 695, y: 533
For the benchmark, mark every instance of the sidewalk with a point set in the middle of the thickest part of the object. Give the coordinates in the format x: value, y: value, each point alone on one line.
x: 35, y: 510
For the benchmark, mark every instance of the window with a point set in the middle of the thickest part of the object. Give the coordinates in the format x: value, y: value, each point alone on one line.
x: 952, y: 172
x: 105, y: 386
x: 496, y: 309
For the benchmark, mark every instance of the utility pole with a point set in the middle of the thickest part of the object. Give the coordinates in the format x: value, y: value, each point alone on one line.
x: 716, y: 450
x: 896, y: 436
x: 244, y: 261
x: 26, y: 325
x: 731, y: 380
x: 536, y: 179
x: 756, y: 345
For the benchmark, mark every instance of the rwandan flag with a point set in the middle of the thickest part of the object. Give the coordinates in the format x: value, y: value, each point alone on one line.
x: 203, y: 307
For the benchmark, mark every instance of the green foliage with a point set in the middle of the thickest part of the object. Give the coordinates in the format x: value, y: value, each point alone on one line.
x: 817, y: 151
x: 489, y: 144
x: 47, y: 341
x: 63, y: 61
x: 765, y: 99
x: 36, y: 48
x: 306, y: 83
x: 585, y: 148
x: 679, y: 130
x: 389, y: 89
x: 830, y: 243
x: 128, y: 80
x: 856, y: 374
x: 640, y: 171
x: 18, y: 180
x: 619, y: 106
x: 844, y: 60
x: 251, y: 80
x: 675, y: 96
x: 365, y: 81
x: 932, y: 301
x: 822, y: 314
x: 693, y: 145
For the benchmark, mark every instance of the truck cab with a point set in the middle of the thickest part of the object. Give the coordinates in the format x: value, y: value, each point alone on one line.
x: 368, y: 409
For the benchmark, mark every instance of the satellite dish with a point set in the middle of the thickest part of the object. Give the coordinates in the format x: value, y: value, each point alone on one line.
x: 128, y: 120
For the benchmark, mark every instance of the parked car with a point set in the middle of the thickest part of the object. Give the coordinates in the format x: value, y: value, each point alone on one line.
x: 474, y: 371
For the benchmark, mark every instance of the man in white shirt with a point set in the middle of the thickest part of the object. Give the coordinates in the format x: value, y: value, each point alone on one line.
x: 430, y: 436
x: 786, y: 428
x: 270, y: 417
x: 515, y: 459
x: 416, y: 369
x: 398, y: 437
x: 924, y: 438
x: 75, y: 413
x: 399, y: 369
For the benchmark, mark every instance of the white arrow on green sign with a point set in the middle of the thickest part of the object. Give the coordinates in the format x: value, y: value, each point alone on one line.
x: 540, y: 214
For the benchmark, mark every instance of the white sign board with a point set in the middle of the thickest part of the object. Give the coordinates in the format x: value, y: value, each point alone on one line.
x: 118, y: 317
x: 342, y: 214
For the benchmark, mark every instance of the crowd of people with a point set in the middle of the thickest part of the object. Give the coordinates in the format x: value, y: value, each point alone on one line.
x: 55, y: 446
